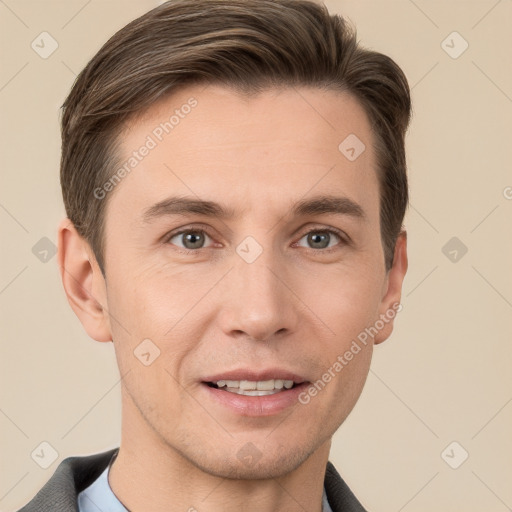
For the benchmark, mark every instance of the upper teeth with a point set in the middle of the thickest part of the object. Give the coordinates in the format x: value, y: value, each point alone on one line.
x: 261, y: 385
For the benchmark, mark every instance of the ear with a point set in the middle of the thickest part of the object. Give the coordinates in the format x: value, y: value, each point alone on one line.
x: 83, y: 282
x: 390, y: 303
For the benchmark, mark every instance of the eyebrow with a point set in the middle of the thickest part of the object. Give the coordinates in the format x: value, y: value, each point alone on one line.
x: 328, y: 204
x: 317, y: 205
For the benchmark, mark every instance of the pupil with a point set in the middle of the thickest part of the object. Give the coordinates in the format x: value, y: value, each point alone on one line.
x: 314, y: 239
x: 195, y: 239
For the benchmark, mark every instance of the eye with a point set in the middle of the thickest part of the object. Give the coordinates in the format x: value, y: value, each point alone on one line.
x: 190, y: 239
x: 321, y: 238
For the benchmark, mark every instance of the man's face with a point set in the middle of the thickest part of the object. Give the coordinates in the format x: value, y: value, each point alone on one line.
x: 267, y: 293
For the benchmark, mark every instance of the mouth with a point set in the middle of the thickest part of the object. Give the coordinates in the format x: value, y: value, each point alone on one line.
x: 253, y: 393
x: 254, y: 387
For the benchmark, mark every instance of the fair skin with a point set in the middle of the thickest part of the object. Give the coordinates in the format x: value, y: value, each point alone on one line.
x: 212, y: 314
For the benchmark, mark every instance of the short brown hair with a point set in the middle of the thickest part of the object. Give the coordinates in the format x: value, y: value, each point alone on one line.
x: 249, y: 45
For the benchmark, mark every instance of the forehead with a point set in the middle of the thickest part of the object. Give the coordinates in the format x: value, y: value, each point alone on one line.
x: 260, y: 153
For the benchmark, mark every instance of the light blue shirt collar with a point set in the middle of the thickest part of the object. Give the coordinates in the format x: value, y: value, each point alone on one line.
x: 99, y: 497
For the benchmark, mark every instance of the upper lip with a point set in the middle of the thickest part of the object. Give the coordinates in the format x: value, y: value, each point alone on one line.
x: 255, y: 376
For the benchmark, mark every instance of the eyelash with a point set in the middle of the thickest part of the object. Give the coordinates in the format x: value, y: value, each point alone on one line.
x: 344, y: 239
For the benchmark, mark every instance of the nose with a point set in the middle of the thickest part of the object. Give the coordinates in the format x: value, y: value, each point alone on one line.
x: 257, y: 300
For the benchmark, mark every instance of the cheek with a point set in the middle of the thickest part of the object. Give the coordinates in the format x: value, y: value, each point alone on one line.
x: 152, y: 300
x: 346, y: 301
x: 155, y: 311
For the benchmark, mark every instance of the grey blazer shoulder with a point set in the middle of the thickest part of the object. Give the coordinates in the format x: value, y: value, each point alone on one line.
x: 74, y: 474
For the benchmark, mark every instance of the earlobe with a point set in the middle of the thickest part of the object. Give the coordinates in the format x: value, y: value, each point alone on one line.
x: 390, y: 304
x: 83, y: 282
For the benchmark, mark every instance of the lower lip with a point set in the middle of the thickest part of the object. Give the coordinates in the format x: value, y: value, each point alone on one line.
x: 256, y: 405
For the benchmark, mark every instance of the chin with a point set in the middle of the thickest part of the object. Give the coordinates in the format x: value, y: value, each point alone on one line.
x: 252, y: 463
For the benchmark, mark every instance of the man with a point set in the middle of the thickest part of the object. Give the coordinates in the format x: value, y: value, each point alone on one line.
x: 235, y: 183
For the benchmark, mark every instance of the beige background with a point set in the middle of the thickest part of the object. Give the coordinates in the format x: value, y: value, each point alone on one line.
x: 444, y: 375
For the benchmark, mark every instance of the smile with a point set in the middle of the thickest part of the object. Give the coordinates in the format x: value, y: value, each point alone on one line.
x: 253, y: 388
